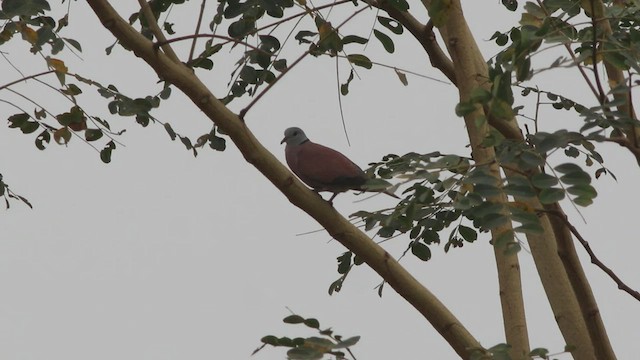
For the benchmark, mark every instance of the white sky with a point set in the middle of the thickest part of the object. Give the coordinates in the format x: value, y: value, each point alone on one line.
x: 160, y: 255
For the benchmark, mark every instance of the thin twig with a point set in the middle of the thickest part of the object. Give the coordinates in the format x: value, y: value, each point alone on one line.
x: 602, y: 98
x: 26, y: 78
x: 594, y: 258
x: 244, y: 111
x: 572, y: 55
x: 227, y: 38
x: 193, y: 44
x: 344, y: 125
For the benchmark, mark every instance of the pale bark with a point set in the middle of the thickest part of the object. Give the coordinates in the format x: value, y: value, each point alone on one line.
x: 460, y: 45
x: 471, y: 72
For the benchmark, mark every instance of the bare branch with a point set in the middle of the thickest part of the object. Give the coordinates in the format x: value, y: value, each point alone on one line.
x: 26, y: 78
x: 193, y: 44
x: 594, y: 259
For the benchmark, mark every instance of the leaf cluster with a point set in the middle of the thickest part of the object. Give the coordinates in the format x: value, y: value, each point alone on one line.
x: 312, y: 347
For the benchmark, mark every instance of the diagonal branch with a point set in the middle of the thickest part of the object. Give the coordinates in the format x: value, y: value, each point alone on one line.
x: 594, y: 259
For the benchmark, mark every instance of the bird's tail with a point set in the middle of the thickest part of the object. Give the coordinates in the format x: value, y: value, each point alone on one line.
x: 380, y: 186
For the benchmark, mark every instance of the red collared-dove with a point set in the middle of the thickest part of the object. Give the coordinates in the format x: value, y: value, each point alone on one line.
x: 322, y: 168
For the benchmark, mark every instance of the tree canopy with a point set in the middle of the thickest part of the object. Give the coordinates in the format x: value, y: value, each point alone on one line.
x: 534, y: 144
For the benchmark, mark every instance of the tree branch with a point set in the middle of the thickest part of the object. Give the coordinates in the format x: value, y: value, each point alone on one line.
x: 193, y: 44
x: 594, y: 259
x: 580, y: 284
x: 460, y: 46
x: 424, y: 34
x: 157, y: 32
x: 338, y: 227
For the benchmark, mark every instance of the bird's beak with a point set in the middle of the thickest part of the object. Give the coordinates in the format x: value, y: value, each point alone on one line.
x: 283, y: 140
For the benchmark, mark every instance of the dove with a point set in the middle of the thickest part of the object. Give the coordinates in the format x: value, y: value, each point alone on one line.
x: 320, y: 167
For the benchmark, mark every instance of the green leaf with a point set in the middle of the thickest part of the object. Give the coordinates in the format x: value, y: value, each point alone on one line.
x: 511, y: 5
x: 344, y: 88
x: 572, y: 152
x: 43, y: 137
x: 240, y: 28
x: 420, y: 250
x: 354, y: 39
x: 540, y: 352
x: 217, y: 143
x: 280, y: 65
x: 73, y: 43
x: 72, y: 90
x: 393, y: 26
x: 270, y: 339
x: 519, y: 190
x: 347, y: 342
x: 105, y: 154
x: 523, y: 69
x: 360, y: 60
x: 202, y: 63
x: 344, y: 262
x: 293, y: 319
x: 16, y: 121
x: 11, y: 8
x: 467, y: 233
x: 302, y: 36
x: 304, y: 353
x: 285, y: 341
x: 576, y: 178
x: 543, y: 181
x: 583, y: 190
x: 269, y: 43
x: 551, y: 195
x: 568, y: 168
x: 583, y: 201
x: 93, y: 134
x: 385, y: 40
x: 29, y: 126
x: 249, y: 74
x: 312, y: 323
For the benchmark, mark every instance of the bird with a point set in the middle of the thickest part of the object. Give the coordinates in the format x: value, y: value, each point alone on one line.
x: 322, y: 168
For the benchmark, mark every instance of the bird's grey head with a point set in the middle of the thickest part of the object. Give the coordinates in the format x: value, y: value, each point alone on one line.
x: 294, y: 136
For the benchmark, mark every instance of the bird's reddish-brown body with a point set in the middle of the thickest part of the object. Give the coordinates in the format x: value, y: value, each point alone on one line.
x: 323, y: 168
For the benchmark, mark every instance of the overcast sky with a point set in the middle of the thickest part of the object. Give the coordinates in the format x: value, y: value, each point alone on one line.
x: 160, y: 255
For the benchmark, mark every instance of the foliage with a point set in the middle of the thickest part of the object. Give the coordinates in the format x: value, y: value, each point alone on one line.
x: 7, y: 194
x: 313, y: 347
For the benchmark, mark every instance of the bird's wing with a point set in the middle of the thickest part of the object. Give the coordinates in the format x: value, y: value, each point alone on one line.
x: 323, y: 168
